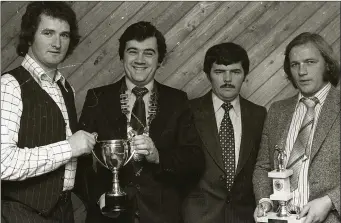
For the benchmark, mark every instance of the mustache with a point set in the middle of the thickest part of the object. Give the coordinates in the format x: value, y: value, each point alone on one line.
x: 226, y: 85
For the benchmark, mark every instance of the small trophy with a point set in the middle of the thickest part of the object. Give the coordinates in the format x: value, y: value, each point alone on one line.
x: 281, y: 187
x: 114, y: 156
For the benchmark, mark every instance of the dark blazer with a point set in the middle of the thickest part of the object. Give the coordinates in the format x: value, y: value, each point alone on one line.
x: 324, y: 167
x: 158, y: 190
x: 210, y: 202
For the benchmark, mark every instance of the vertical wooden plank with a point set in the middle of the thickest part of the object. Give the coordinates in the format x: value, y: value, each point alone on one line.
x: 8, y: 53
x: 9, y: 9
x: 192, y: 70
x: 174, y: 36
x: 279, y: 80
x: 272, y: 63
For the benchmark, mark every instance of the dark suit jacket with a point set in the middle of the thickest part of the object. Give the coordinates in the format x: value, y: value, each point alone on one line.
x: 210, y: 202
x: 158, y: 190
x: 324, y: 167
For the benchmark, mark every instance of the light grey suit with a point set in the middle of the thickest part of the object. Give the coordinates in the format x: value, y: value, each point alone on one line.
x: 324, y: 168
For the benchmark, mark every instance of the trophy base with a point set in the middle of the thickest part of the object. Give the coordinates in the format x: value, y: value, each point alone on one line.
x: 272, y: 217
x: 114, y: 205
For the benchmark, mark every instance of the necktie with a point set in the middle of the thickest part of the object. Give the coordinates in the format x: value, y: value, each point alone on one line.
x: 226, y: 140
x: 300, y: 150
x: 138, y: 116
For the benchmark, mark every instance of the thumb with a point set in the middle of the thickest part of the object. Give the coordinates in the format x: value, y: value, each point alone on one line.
x: 304, y: 211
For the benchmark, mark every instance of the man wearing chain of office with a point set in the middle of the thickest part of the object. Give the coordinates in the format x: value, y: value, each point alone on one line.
x: 158, y: 123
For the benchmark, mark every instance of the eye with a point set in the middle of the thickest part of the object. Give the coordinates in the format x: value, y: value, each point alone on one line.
x: 65, y: 35
x: 218, y: 72
x: 311, y: 62
x: 149, y: 53
x: 132, y: 52
x: 47, y: 33
x: 293, y: 65
x: 236, y: 71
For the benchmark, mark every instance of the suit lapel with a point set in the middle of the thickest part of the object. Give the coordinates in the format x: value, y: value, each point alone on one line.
x: 112, y: 110
x: 329, y: 112
x: 284, y: 120
x: 205, y: 122
x: 161, y: 118
x: 247, y: 135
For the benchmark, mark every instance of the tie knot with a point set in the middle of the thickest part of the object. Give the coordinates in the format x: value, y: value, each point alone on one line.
x: 227, y: 106
x: 139, y: 92
x: 310, y: 102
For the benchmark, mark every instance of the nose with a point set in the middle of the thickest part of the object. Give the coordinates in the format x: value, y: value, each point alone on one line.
x: 56, y: 42
x: 227, y: 77
x: 302, y: 69
x: 140, y: 58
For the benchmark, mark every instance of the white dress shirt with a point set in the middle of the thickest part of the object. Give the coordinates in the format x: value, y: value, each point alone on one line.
x: 235, y: 117
x: 21, y: 163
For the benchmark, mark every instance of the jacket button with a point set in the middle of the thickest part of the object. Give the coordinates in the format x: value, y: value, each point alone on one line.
x: 222, y: 177
x: 137, y: 187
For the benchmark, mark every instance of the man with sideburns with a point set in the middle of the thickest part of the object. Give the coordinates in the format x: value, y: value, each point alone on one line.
x: 230, y: 128
x: 39, y: 138
x: 157, y: 120
x: 307, y: 128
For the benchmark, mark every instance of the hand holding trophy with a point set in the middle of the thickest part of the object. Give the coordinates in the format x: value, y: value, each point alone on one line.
x: 281, y: 187
x: 114, y: 154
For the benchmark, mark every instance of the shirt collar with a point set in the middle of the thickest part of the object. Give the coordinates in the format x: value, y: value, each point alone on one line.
x: 38, y: 73
x: 217, y: 103
x: 130, y: 85
x: 321, y: 95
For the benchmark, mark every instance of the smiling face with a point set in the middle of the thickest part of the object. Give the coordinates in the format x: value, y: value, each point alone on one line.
x: 307, y: 67
x: 50, y: 43
x: 227, y: 80
x: 140, y: 60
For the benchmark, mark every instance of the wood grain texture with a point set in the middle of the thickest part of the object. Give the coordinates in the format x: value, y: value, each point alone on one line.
x: 263, y: 28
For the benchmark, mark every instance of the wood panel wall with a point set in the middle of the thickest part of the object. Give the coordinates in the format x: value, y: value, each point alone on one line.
x: 262, y: 28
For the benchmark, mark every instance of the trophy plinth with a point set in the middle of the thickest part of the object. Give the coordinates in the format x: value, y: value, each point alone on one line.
x: 281, y: 193
x: 114, y: 155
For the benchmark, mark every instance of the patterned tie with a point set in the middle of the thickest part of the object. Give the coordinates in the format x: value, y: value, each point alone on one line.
x: 138, y: 116
x: 300, y: 150
x: 226, y: 140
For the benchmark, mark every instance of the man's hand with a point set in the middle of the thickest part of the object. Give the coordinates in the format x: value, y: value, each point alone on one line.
x: 81, y: 143
x: 316, y: 210
x: 144, y: 145
x: 261, y: 210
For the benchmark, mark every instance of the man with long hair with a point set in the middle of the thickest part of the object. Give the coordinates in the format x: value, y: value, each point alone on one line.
x: 307, y: 128
x: 39, y: 138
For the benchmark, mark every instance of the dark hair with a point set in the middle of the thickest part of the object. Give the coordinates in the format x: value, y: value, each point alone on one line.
x: 140, y: 31
x: 226, y: 54
x: 332, y: 65
x: 31, y: 19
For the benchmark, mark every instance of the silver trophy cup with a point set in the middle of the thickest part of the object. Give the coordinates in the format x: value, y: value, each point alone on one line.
x: 114, y: 154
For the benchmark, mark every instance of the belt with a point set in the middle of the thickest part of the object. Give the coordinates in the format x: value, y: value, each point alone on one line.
x: 65, y: 196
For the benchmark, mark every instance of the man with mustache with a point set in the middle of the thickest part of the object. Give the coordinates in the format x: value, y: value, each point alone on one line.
x: 230, y: 128
x: 40, y: 144
x: 157, y: 120
x: 307, y: 127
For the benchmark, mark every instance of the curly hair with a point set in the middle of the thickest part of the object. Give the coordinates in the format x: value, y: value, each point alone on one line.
x: 31, y: 19
x: 140, y: 31
x: 226, y: 54
x: 332, y: 73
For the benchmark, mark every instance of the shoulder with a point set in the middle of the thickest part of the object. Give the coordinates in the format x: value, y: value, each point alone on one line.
x: 282, y: 104
x: 173, y: 93
x: 106, y: 89
x: 251, y: 105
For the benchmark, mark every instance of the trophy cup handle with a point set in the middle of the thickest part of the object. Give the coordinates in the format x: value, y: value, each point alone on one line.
x: 126, y: 148
x: 100, y: 162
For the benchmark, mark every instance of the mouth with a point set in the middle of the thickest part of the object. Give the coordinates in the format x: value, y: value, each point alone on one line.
x: 54, y: 52
x: 139, y: 68
x: 227, y: 86
x: 304, y: 82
